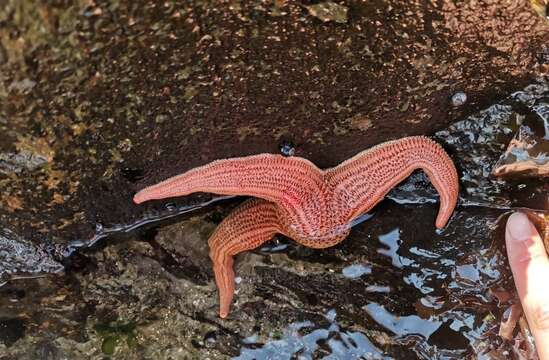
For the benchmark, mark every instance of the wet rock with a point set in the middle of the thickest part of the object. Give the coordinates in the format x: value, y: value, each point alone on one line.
x: 17, y: 162
x: 289, y: 300
x: 130, y: 306
x: 11, y: 330
x: 185, y: 250
x: 476, y: 144
x: 99, y: 88
x: 102, y: 89
x: 21, y: 257
x: 328, y: 11
x: 3, y: 54
x: 527, y: 154
x: 162, y: 285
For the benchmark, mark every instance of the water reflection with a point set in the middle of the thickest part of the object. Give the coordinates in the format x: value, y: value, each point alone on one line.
x: 402, y: 325
x: 423, y: 294
x: 356, y: 270
x: 302, y: 339
x: 393, y: 242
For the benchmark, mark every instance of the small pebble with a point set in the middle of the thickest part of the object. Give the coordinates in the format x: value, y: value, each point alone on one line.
x: 287, y: 148
x: 459, y: 99
x: 210, y: 339
x: 99, y: 227
x: 171, y: 206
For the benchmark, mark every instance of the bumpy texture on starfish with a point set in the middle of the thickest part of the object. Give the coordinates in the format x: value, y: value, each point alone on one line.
x: 297, y: 199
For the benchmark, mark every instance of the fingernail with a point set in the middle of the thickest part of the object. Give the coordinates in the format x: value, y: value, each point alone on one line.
x: 519, y: 227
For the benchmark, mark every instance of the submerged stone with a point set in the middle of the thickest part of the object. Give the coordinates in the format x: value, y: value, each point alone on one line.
x: 526, y: 155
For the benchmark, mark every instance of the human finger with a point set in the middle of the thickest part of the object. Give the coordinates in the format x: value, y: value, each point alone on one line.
x: 530, y: 266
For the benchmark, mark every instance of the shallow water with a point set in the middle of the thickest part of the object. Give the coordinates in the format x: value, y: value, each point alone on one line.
x: 422, y: 293
x: 438, y: 300
x: 304, y: 339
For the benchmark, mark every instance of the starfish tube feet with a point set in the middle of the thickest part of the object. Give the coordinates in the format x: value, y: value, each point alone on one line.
x: 367, y: 177
x: 247, y: 227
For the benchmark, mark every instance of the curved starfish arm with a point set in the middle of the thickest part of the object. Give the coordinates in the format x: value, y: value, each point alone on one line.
x: 271, y: 177
x: 365, y: 179
x: 247, y: 227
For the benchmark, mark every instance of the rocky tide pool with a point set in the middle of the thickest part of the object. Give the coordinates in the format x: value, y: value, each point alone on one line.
x: 100, y: 98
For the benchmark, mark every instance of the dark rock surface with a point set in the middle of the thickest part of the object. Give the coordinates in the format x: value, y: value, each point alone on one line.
x: 98, y: 99
x: 103, y: 97
x: 396, y: 288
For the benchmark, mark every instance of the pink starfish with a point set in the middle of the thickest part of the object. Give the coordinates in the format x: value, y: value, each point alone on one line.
x: 297, y: 199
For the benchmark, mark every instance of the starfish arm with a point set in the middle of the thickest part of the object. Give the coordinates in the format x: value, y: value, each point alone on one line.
x: 271, y: 177
x: 365, y: 179
x: 247, y: 227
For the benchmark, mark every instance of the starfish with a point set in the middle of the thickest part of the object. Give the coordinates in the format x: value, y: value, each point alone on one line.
x: 295, y: 198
